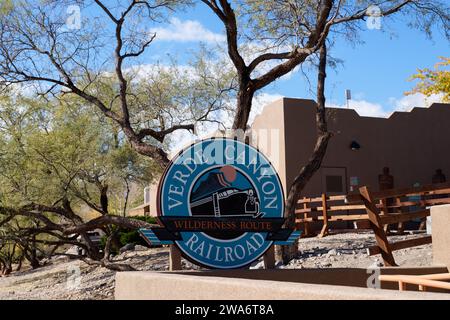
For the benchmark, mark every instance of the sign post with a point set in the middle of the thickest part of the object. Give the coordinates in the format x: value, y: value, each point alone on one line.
x: 221, y: 204
x: 174, y: 258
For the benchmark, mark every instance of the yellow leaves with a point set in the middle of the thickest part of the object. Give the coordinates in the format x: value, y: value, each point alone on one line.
x: 435, y: 81
x: 5, y: 6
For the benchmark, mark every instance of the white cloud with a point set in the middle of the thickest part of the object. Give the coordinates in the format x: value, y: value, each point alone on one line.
x: 364, y: 108
x: 260, y: 101
x: 146, y: 71
x: 405, y: 103
x: 419, y: 100
x: 186, y: 31
x: 28, y: 90
x: 182, y: 138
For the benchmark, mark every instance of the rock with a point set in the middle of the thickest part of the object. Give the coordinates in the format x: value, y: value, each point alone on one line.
x: 60, y: 258
x: 259, y: 265
x: 127, y: 247
x: 378, y: 263
x: 72, y: 250
x: 278, y: 264
x: 188, y: 265
x: 332, y: 252
x: 140, y: 248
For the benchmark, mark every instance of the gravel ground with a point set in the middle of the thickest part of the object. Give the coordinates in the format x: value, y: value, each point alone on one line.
x: 60, y: 279
x: 347, y: 250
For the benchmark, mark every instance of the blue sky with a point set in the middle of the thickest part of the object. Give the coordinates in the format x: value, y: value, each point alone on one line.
x: 376, y: 71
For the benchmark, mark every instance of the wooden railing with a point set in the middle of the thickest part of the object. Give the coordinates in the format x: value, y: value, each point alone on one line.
x: 327, y: 209
x: 380, y: 209
x: 438, y: 280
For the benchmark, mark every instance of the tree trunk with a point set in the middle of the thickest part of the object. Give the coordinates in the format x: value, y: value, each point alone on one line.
x: 7, y: 270
x: 108, y: 244
x: 287, y: 253
x: 34, y: 259
x: 104, y: 198
x: 19, y: 265
x: 244, y: 105
x: 92, y: 251
x: 115, y: 243
x: 2, y: 266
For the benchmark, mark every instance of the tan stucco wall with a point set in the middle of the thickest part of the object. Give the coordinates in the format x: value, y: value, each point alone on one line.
x: 147, y: 208
x: 270, y: 125
x: 440, y: 225
x: 153, y: 200
x: 413, y: 144
x: 348, y: 277
x: 159, y: 285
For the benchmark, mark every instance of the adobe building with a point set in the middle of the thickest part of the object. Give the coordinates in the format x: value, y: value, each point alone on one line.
x: 413, y: 145
x: 149, y: 206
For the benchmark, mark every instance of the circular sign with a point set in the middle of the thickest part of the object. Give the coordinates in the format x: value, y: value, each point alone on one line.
x: 227, y: 187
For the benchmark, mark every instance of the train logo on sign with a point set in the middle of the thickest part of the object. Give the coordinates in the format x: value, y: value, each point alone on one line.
x: 220, y: 201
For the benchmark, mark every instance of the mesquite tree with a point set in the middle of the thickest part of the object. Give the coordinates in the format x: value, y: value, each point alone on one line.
x: 37, y: 46
x: 73, y: 155
x: 60, y: 170
x: 61, y: 158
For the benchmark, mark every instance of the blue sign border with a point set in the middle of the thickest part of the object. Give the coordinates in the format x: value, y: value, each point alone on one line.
x: 243, y: 159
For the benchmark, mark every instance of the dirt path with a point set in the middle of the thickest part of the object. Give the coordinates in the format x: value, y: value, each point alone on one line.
x: 75, y: 279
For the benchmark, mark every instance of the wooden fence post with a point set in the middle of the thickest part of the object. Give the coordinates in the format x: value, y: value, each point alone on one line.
x: 377, y: 227
x: 174, y: 258
x: 269, y: 258
x: 383, y: 203
x: 324, y: 231
x: 305, y: 216
x: 400, y: 226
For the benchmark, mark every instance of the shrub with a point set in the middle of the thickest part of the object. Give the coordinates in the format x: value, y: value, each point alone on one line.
x: 127, y: 236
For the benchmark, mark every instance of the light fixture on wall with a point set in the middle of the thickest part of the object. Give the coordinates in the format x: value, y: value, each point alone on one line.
x: 355, y: 146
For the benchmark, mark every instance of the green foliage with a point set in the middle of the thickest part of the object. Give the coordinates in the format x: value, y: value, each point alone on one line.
x: 54, y: 150
x: 131, y: 236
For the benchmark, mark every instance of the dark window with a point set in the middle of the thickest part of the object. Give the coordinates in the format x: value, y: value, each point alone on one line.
x: 333, y: 183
